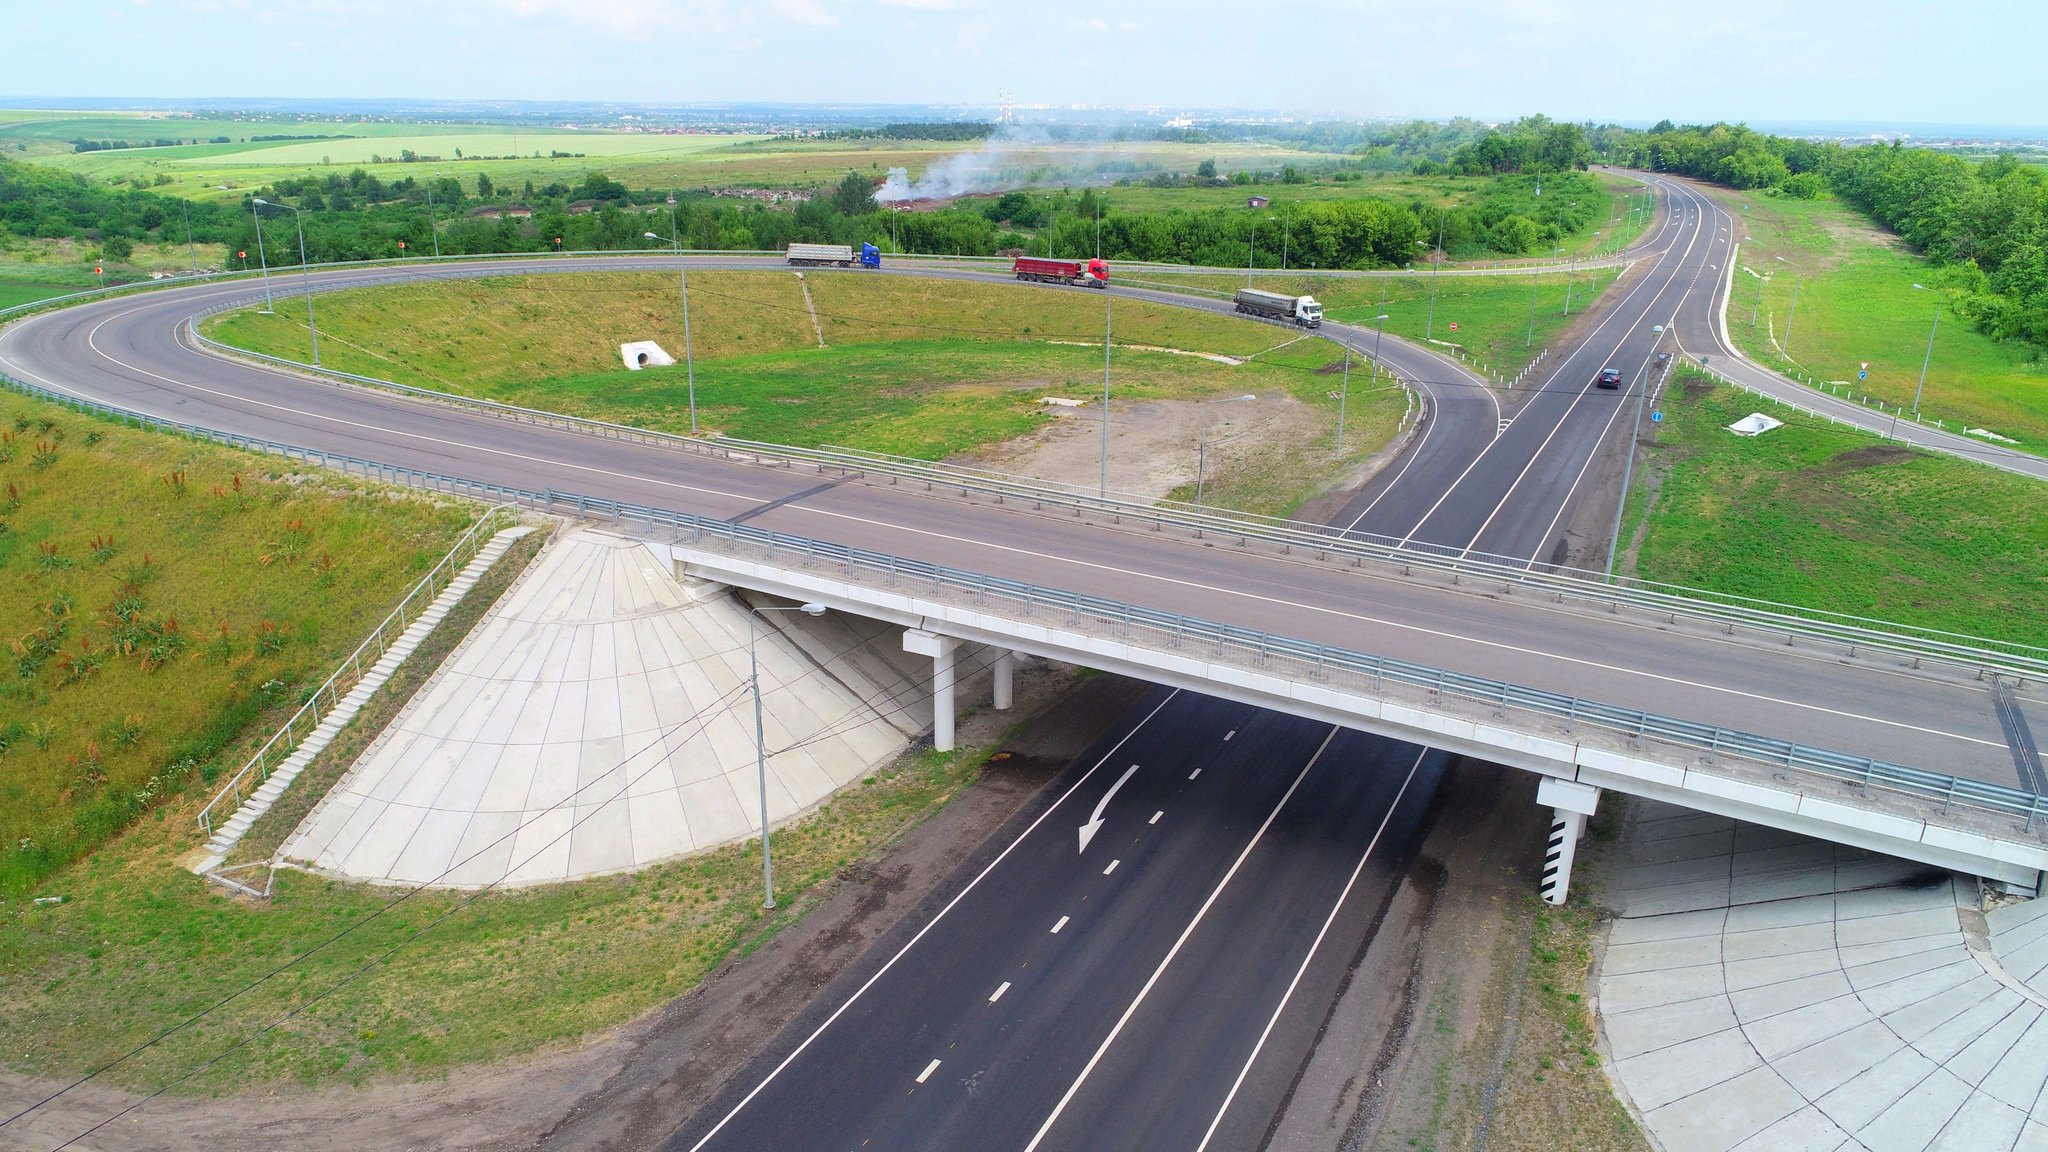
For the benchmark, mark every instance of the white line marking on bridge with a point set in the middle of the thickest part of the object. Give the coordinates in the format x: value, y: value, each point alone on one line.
x: 997, y: 994
x: 1112, y: 867
x: 1228, y: 735
x: 1062, y: 923
x: 928, y: 1070
x: 1155, y: 817
x: 1195, y: 773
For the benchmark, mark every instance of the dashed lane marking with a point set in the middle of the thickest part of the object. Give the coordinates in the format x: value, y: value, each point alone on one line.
x: 928, y: 1070
x: 994, y: 996
x: 1062, y: 923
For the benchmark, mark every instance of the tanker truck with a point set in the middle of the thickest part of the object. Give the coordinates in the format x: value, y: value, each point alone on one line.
x: 1301, y: 310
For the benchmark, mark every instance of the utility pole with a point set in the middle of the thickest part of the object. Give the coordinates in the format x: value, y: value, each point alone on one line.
x: 1102, y: 483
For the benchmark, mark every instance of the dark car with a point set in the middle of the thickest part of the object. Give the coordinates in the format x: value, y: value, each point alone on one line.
x: 1609, y: 378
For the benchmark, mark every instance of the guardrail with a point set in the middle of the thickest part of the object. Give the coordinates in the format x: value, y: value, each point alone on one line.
x: 1559, y: 583
x: 349, y: 672
x: 1309, y: 660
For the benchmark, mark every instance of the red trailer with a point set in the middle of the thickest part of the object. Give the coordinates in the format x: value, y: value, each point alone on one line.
x: 1093, y: 274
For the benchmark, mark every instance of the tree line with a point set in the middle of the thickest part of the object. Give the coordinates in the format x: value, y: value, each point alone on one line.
x: 1985, y: 224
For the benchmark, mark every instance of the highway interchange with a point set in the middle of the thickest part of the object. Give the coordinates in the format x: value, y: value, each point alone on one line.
x: 1144, y: 987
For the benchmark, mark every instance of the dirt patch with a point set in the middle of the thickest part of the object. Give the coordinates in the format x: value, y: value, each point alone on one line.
x: 628, y: 1088
x: 1872, y: 456
x: 1154, y: 444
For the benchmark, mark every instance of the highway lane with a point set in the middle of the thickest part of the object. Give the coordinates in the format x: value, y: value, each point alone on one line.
x: 126, y: 352
x: 1112, y: 996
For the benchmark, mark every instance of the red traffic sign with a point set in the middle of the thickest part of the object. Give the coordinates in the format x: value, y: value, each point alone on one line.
x: 401, y: 244
x: 98, y: 271
x: 1454, y: 325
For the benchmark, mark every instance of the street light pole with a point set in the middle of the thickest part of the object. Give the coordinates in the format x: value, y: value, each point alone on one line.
x: 1794, y: 309
x: 432, y: 225
x: 1202, y: 448
x: 269, y: 306
x: 760, y: 746
x: 1253, y: 256
x: 1535, y: 278
x: 675, y: 241
x: 1343, y: 398
x: 305, y: 271
x: 1102, y: 483
x: 191, y: 249
x: 1924, y: 362
x: 1436, y: 265
x: 1629, y: 463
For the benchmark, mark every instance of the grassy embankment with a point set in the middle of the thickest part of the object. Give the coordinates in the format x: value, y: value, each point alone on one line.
x: 142, y: 943
x: 1492, y: 312
x: 1826, y: 517
x: 912, y: 366
x: 165, y: 603
x: 1857, y: 302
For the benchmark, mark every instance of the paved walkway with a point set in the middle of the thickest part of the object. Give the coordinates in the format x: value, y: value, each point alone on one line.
x: 598, y: 720
x: 1763, y: 991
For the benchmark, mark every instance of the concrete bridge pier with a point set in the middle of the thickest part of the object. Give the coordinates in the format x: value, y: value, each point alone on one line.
x: 940, y: 649
x: 1005, y: 680
x: 1569, y: 803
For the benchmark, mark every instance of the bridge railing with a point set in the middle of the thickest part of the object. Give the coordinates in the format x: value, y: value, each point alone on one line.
x: 1284, y: 655
x: 1388, y: 555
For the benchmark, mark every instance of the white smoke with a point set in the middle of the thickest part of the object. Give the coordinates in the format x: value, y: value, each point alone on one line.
x: 1008, y: 160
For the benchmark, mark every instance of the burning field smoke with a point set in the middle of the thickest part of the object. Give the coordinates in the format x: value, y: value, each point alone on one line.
x: 1009, y: 160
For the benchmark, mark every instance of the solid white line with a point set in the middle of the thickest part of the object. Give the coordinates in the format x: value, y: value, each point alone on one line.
x: 1155, y: 817
x: 928, y: 1070
x: 998, y: 993
x: 1228, y: 735
x: 1195, y: 773
x: 1062, y: 923
x: 950, y: 905
x: 1112, y: 867
x: 1305, y: 960
x: 1177, y: 945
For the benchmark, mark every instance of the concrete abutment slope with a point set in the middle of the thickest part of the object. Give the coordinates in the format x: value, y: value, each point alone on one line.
x: 599, y: 719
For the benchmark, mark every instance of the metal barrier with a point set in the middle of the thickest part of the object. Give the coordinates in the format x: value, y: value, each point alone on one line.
x: 349, y: 672
x: 1556, y: 582
x: 1168, y: 630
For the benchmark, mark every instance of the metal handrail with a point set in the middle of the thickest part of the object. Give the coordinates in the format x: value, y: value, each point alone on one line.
x: 1316, y: 661
x: 1560, y: 583
x: 348, y: 672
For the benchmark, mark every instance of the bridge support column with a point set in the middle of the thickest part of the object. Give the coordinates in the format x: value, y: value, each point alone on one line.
x: 1006, y: 679
x: 940, y: 649
x: 1570, y: 803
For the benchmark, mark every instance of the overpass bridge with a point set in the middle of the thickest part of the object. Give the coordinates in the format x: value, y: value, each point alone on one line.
x: 1911, y: 743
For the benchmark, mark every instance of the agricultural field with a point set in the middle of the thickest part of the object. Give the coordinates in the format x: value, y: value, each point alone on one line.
x: 166, y: 601
x: 1831, y: 518
x: 1857, y: 302
x: 909, y: 365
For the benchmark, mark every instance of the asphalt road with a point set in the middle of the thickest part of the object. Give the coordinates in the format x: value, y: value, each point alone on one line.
x: 127, y: 352
x: 1155, y: 989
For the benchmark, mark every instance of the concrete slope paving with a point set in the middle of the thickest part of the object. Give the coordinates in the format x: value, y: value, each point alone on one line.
x: 1762, y: 991
x: 598, y: 720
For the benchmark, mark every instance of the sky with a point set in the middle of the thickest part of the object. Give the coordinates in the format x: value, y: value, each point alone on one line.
x: 1894, y: 61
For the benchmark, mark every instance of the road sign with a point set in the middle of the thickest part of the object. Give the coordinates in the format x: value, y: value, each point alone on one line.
x: 1656, y: 417
x: 1865, y: 375
x: 1454, y: 325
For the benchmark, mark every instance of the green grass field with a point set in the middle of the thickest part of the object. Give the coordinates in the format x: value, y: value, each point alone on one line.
x: 914, y: 366
x: 142, y: 943
x: 1857, y: 303
x: 16, y: 292
x: 163, y: 599
x: 1821, y: 516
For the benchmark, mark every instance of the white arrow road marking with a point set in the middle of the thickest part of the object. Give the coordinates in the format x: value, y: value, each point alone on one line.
x: 1094, y: 823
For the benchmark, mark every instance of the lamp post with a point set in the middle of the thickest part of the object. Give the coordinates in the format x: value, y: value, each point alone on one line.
x: 675, y: 240
x: 1252, y: 256
x: 1535, y: 278
x: 1202, y: 450
x: 1571, y: 272
x: 304, y: 271
x: 1756, y: 305
x: 760, y: 749
x: 191, y: 249
x: 262, y: 261
x: 1794, y: 309
x: 1436, y: 265
x: 1629, y: 462
x: 1924, y: 362
x: 1344, y: 396
x: 432, y: 225
x: 1102, y: 464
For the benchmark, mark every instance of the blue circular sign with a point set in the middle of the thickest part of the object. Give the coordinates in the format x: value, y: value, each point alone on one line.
x: 1656, y: 417
x: 1864, y: 374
